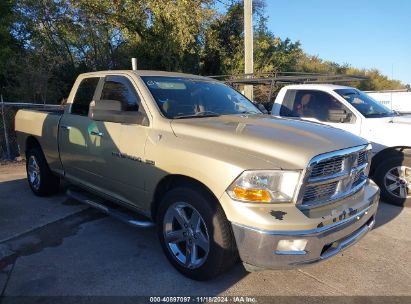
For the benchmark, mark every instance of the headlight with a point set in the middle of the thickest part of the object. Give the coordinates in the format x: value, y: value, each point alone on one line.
x: 265, y: 186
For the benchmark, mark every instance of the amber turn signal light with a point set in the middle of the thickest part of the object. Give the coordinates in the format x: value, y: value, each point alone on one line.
x: 256, y: 195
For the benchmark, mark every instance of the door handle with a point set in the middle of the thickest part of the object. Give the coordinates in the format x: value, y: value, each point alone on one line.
x: 65, y: 127
x: 96, y: 133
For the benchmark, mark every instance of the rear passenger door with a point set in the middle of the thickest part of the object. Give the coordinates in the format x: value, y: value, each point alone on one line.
x: 79, y: 151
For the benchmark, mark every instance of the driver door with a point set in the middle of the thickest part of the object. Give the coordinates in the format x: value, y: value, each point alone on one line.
x: 122, y: 163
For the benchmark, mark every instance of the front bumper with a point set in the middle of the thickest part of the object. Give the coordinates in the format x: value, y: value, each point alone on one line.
x: 258, y: 247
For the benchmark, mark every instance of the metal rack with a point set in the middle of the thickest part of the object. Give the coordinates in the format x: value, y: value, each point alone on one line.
x: 282, y: 78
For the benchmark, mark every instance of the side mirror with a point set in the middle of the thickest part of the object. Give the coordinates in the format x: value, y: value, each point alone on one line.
x: 339, y: 116
x: 111, y: 111
x: 262, y: 108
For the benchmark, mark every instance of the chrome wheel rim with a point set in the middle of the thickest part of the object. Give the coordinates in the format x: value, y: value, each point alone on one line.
x: 397, y: 181
x: 33, y: 171
x: 186, y: 235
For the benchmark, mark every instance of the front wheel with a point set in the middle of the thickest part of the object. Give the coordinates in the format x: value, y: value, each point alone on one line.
x: 393, y: 176
x: 195, y: 234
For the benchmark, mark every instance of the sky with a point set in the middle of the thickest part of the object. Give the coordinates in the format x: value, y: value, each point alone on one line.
x: 362, y: 33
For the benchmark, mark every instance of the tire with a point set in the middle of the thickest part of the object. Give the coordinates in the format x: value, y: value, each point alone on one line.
x: 393, y: 176
x: 41, y: 180
x: 210, y: 227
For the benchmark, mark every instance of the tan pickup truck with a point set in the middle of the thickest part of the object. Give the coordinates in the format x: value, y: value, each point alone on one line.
x: 219, y: 178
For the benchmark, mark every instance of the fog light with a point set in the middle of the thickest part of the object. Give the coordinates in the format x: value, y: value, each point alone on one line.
x: 291, y: 247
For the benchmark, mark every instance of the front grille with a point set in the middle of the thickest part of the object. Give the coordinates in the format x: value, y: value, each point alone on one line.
x: 334, y: 175
x: 359, y: 177
x: 328, y: 167
x: 362, y: 157
x: 320, y: 192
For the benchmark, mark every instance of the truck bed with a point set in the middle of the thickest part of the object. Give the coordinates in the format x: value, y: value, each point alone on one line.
x: 41, y: 125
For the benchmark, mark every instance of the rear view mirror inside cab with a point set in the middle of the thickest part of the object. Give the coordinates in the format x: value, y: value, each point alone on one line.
x: 111, y: 111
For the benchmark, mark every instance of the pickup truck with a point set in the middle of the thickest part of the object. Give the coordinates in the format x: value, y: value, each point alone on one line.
x: 220, y: 179
x: 354, y: 111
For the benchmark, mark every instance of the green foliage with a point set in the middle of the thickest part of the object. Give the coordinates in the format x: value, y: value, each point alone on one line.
x: 46, y: 44
x: 377, y: 81
x: 8, y: 44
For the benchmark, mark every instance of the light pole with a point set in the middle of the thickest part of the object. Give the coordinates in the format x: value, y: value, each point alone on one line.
x: 248, y: 45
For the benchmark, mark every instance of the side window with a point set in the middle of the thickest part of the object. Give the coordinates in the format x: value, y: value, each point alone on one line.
x: 288, y: 104
x: 120, y: 88
x: 314, y: 104
x: 84, y: 96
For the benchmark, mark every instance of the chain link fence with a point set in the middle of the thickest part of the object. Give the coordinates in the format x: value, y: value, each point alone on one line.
x: 8, y: 141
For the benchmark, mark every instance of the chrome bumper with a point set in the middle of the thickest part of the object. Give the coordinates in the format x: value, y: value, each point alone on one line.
x: 257, y: 247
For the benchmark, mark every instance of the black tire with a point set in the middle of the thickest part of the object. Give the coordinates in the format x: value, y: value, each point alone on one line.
x: 389, y: 164
x: 222, y: 254
x: 48, y: 183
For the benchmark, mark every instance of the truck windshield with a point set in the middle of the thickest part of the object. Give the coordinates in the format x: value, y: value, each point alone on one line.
x: 367, y: 106
x: 187, y: 98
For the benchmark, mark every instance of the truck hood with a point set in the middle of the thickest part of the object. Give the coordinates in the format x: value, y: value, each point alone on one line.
x: 285, y: 143
x: 406, y: 119
x: 402, y: 119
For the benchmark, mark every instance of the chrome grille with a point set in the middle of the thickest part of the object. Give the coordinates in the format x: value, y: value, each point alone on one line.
x: 318, y: 192
x: 359, y: 177
x: 334, y: 175
x: 328, y: 167
x: 362, y: 157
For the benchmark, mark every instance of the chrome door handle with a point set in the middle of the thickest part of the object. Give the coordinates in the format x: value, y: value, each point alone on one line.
x: 65, y: 127
x: 96, y: 133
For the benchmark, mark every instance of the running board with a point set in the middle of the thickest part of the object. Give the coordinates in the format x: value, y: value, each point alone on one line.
x: 98, y: 204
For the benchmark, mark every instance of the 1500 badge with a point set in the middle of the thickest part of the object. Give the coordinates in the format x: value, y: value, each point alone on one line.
x: 133, y: 158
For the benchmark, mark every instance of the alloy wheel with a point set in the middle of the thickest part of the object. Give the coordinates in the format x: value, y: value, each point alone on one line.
x: 33, y: 170
x: 186, y: 235
x: 397, y: 181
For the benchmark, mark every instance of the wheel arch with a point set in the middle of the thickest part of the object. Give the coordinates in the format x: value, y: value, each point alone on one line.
x: 172, y: 181
x: 383, y: 154
x: 32, y: 142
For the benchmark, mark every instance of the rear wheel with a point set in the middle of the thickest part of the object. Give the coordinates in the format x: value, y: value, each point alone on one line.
x: 195, y: 234
x: 393, y: 176
x: 41, y: 180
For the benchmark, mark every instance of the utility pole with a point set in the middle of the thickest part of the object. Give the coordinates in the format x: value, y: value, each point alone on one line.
x: 248, y: 45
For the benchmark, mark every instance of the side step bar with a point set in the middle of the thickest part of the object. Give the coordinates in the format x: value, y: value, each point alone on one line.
x: 97, y: 203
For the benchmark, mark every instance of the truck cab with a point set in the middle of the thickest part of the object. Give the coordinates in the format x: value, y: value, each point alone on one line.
x: 354, y: 111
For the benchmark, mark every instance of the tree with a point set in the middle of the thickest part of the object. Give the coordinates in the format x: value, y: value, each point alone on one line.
x: 67, y: 37
x: 9, y: 46
x: 46, y: 44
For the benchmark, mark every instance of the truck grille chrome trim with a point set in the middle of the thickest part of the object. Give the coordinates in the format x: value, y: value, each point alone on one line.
x: 328, y: 167
x: 333, y: 176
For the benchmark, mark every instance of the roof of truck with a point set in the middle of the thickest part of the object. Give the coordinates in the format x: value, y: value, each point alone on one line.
x: 147, y: 73
x: 316, y: 86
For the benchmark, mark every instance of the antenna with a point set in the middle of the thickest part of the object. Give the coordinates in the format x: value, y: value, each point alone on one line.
x: 134, y: 64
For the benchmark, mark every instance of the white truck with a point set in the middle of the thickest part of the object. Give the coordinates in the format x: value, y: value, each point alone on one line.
x: 356, y: 112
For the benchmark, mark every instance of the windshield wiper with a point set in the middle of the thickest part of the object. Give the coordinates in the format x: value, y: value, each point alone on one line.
x: 250, y: 112
x: 198, y: 115
x: 381, y: 114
